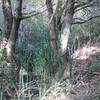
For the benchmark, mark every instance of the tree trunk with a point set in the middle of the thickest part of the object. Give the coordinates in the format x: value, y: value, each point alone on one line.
x: 14, y: 31
x: 69, y: 11
x: 8, y: 17
x: 10, y: 47
x: 12, y: 23
x: 53, y: 36
x: 58, y: 14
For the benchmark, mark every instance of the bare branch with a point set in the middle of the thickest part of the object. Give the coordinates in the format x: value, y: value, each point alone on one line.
x: 31, y: 15
x: 34, y: 13
x: 83, y: 4
x: 84, y: 21
x: 80, y: 5
x: 83, y: 7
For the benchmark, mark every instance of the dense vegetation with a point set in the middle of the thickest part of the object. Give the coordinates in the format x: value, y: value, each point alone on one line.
x: 49, y: 50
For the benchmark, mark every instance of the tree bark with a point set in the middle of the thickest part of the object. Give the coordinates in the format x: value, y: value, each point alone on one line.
x: 8, y: 17
x: 69, y: 11
x: 68, y: 19
x: 14, y: 31
x: 12, y: 23
x: 10, y: 47
x: 58, y: 14
x: 53, y: 36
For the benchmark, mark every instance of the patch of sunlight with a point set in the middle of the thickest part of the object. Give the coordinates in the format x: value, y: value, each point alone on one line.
x: 58, y: 91
x: 64, y: 40
x: 7, y: 4
x: 85, y: 52
x: 3, y: 44
x: 23, y: 72
x: 9, y: 48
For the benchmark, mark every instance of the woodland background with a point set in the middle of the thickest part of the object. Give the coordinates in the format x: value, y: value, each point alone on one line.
x: 49, y: 49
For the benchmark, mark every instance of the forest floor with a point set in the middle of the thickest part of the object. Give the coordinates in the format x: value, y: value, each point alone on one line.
x: 86, y: 84
x: 86, y: 88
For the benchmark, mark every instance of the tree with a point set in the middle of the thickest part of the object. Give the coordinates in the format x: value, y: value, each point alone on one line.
x: 11, y: 26
x: 8, y: 17
x: 53, y: 36
x: 67, y: 17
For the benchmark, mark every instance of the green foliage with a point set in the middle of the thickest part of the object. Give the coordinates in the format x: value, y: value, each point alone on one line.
x: 40, y: 62
x: 77, y: 29
x: 92, y: 28
x: 2, y: 56
x: 36, y: 60
x: 39, y: 25
x: 59, y: 9
x: 83, y: 33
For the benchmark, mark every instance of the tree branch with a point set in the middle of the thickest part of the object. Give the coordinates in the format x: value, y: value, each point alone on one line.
x: 34, y: 13
x: 80, y: 5
x: 84, y: 21
x: 85, y: 5
x: 28, y: 16
x: 31, y: 15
